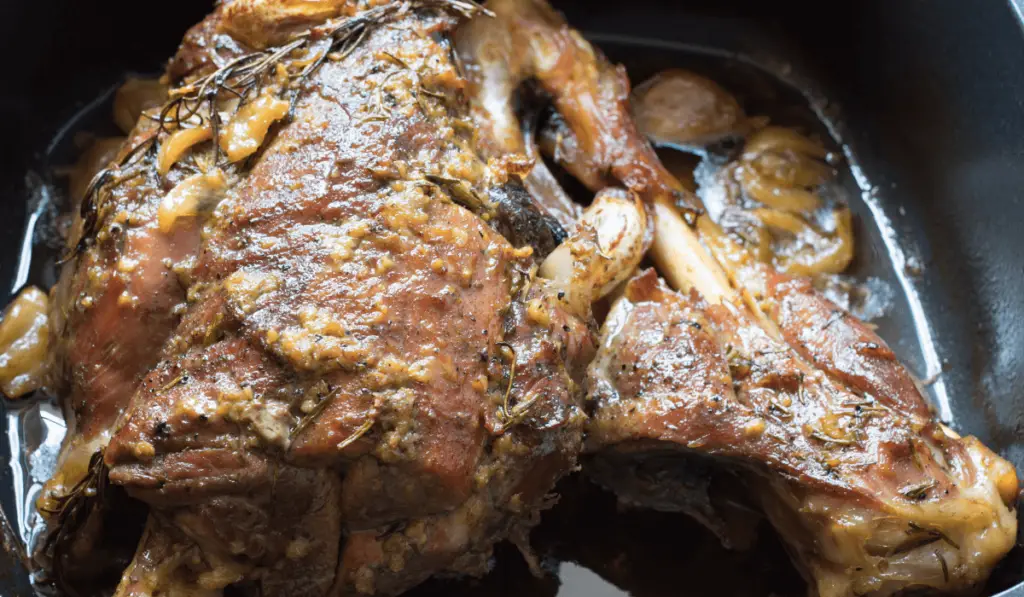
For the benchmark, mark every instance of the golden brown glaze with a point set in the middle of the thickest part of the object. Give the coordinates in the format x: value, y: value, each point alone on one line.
x: 592, y: 95
x: 303, y: 324
x: 114, y: 307
x: 331, y: 373
x: 840, y: 344
x: 870, y: 493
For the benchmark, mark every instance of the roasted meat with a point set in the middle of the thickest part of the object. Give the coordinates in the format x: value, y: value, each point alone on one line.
x: 302, y: 319
x: 832, y: 439
x: 326, y: 323
x: 750, y: 383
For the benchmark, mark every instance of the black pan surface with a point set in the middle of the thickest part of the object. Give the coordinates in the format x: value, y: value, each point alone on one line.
x: 926, y: 98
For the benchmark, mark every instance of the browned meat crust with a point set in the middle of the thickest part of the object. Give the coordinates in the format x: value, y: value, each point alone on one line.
x: 350, y: 380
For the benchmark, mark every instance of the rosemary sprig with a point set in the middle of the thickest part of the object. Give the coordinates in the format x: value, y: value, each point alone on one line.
x: 933, y: 533
x: 358, y: 433
x: 461, y: 193
x: 244, y: 78
x: 919, y: 492
x: 510, y: 416
x: 70, y: 514
x: 945, y: 566
x: 832, y: 440
x: 308, y: 418
x: 511, y: 376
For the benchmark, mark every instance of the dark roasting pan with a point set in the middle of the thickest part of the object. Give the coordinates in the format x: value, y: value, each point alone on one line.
x: 926, y: 97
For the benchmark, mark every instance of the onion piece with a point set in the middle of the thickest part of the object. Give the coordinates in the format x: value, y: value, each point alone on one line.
x: 781, y: 220
x: 24, y: 338
x: 778, y: 139
x: 244, y: 135
x: 828, y: 254
x: 189, y: 197
x: 685, y: 110
x: 178, y: 143
x: 783, y: 198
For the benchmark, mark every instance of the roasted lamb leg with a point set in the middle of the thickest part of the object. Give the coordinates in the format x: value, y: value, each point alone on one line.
x: 752, y: 375
x: 872, y: 494
x: 305, y: 324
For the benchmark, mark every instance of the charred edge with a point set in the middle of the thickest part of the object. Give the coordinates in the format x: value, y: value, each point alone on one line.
x: 243, y: 78
x: 522, y: 223
x: 510, y: 210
